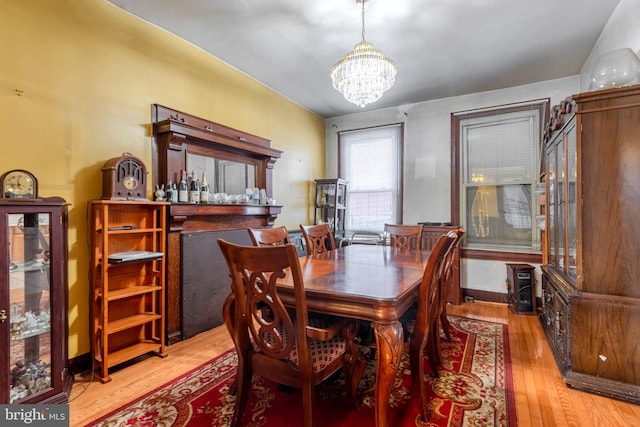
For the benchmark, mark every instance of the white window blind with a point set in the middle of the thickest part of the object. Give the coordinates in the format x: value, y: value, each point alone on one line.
x: 499, y: 170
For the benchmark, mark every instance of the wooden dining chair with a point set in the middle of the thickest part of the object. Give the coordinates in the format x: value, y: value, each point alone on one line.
x: 402, y: 236
x: 287, y: 349
x: 318, y: 238
x: 422, y: 339
x: 269, y: 236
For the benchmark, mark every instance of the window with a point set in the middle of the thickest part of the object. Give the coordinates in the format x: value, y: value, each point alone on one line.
x: 370, y: 160
x: 498, y: 162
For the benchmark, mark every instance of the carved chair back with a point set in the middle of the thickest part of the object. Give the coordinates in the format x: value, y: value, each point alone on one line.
x: 318, y: 238
x: 402, y: 236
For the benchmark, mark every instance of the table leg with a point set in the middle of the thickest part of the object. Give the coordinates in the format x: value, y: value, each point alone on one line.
x: 389, y: 342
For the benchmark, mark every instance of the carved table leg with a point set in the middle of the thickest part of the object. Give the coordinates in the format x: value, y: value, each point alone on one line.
x: 389, y: 342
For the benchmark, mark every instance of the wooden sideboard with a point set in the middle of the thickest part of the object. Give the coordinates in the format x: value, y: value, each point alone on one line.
x: 193, y: 229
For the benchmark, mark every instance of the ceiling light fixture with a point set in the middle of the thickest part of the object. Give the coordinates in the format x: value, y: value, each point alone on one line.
x: 363, y: 74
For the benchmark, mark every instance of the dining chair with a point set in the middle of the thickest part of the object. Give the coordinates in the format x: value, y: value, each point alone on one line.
x: 449, y: 267
x: 318, y: 238
x: 269, y: 236
x: 422, y: 339
x: 402, y: 236
x: 289, y: 350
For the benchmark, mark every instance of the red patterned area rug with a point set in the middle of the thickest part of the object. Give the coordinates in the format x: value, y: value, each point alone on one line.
x: 475, y: 388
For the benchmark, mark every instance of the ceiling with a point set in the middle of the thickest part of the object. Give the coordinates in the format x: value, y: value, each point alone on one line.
x: 443, y: 48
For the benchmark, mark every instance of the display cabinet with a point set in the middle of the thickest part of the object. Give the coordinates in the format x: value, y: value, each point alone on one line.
x: 590, y: 298
x: 33, y: 295
x: 127, y: 281
x: 331, y: 203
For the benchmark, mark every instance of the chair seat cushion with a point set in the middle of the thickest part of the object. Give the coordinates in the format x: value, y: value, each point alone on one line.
x: 323, y: 353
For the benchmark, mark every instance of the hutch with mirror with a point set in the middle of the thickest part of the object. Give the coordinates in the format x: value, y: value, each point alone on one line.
x: 233, y: 161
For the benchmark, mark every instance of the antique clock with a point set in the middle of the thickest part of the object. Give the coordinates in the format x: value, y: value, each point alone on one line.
x: 19, y: 184
x: 124, y: 178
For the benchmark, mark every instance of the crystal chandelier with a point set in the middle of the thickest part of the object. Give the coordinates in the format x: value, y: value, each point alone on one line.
x: 363, y: 74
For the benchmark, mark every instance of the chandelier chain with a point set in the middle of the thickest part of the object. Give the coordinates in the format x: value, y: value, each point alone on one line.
x: 362, y: 1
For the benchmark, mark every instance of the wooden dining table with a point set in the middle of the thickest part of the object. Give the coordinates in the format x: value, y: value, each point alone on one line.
x: 367, y: 282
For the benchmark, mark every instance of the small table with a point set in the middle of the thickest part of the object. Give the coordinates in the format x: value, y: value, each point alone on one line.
x: 374, y: 283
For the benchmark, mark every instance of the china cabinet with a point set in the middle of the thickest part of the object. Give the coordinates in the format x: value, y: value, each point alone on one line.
x: 33, y: 295
x: 127, y: 281
x: 591, y: 300
x: 331, y: 203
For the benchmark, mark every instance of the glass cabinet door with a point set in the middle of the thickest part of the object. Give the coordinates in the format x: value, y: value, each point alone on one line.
x: 572, y: 175
x: 551, y: 209
x: 29, y: 308
x: 560, y: 203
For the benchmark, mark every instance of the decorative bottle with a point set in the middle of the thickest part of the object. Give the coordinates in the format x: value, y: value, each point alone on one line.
x: 183, y: 190
x: 204, y: 189
x: 169, y: 192
x: 194, y: 190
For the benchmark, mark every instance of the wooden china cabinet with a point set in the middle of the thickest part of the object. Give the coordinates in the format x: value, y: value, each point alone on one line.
x: 591, y: 297
x: 33, y: 296
x: 197, y: 279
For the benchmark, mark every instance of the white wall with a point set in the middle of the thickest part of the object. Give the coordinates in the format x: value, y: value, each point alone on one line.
x: 427, y: 157
x: 622, y: 30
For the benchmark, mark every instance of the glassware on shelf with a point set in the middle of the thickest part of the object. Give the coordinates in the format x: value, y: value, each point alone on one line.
x: 620, y: 67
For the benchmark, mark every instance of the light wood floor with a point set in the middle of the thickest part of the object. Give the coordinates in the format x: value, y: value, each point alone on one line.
x: 542, y: 398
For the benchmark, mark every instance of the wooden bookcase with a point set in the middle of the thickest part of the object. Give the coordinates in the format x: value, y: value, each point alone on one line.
x: 128, y: 300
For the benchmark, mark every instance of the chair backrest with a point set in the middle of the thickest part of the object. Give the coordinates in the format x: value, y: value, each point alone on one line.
x: 318, y: 238
x: 402, y: 236
x: 430, y: 286
x: 275, y: 236
x: 254, y: 272
x: 448, y: 263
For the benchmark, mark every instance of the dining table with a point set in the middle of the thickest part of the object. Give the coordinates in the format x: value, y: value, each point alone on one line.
x: 375, y: 283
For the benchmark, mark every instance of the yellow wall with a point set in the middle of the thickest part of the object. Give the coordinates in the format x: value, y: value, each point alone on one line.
x: 77, y: 80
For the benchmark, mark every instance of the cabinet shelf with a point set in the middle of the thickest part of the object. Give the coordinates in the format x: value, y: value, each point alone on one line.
x: 134, y: 231
x: 130, y: 322
x: 120, y: 356
x: 131, y: 291
x: 129, y: 284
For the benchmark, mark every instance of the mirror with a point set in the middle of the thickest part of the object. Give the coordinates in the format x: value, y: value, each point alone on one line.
x: 223, y: 176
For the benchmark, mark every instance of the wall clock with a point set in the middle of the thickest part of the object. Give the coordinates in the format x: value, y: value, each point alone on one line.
x: 19, y: 184
x: 124, y: 178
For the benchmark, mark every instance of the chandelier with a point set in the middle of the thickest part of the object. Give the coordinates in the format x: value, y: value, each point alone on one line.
x: 363, y: 74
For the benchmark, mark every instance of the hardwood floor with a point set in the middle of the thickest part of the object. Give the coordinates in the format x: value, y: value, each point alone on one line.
x: 542, y: 398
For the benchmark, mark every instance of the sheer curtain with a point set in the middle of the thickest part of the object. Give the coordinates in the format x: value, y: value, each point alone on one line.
x: 370, y: 160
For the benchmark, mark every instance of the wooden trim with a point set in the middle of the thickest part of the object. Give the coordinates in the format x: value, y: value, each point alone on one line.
x: 518, y: 257
x: 543, y: 106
